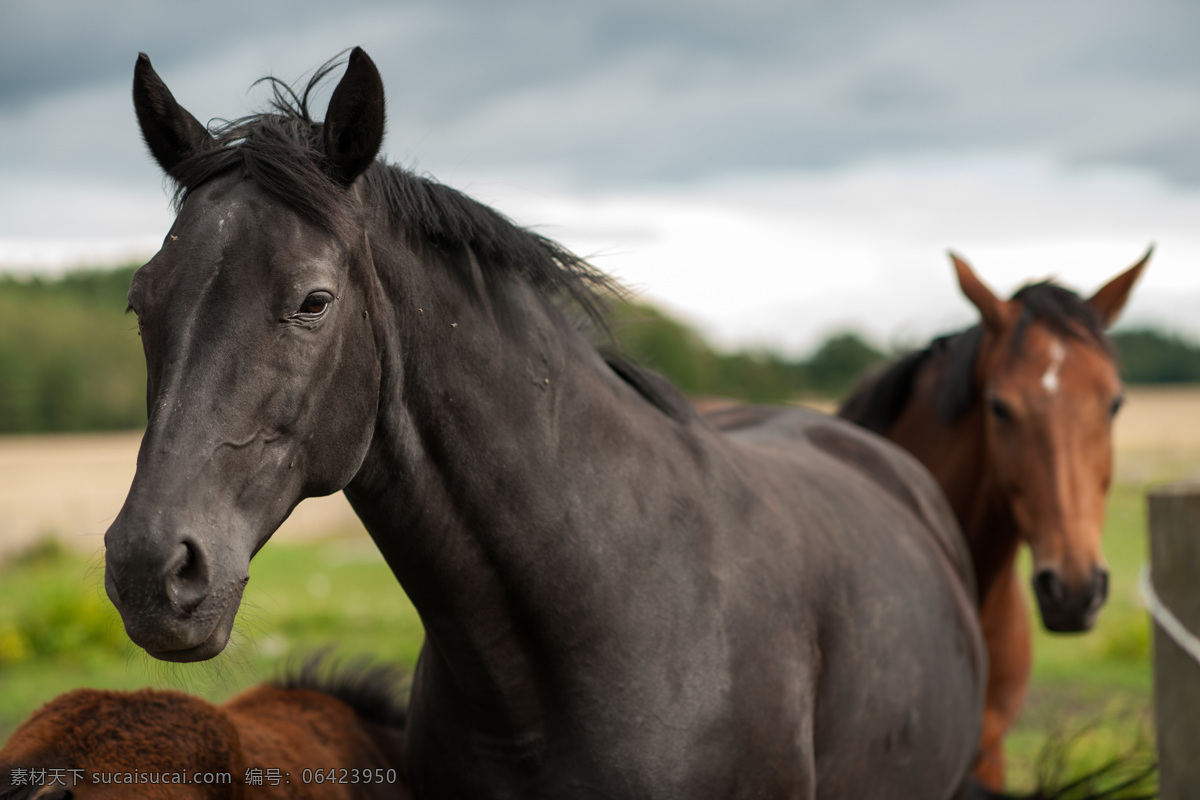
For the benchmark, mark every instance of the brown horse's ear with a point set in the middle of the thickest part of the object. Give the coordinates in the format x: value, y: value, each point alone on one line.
x: 991, y: 308
x: 171, y: 133
x: 1111, y: 297
x: 354, y: 123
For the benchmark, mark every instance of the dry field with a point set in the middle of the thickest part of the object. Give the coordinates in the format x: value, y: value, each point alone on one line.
x: 72, y: 486
x: 1158, y: 435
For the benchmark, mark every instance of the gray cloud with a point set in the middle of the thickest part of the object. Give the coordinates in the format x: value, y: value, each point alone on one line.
x: 624, y: 91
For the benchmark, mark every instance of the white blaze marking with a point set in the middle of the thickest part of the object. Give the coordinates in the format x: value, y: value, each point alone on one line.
x: 1057, y: 353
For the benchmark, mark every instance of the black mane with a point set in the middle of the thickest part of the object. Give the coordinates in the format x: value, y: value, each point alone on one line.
x: 282, y: 152
x: 373, y: 691
x: 878, y: 400
x: 451, y: 222
x: 1065, y: 312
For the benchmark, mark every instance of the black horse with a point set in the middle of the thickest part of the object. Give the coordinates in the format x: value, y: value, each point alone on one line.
x: 620, y: 600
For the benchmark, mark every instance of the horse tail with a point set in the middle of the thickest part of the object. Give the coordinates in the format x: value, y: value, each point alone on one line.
x: 374, y: 691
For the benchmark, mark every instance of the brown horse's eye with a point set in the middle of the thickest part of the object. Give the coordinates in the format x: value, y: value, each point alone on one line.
x: 1000, y: 409
x: 1117, y: 402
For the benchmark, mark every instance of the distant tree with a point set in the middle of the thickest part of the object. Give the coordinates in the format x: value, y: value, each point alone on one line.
x: 760, y: 376
x: 70, y: 359
x: 839, y: 362
x: 665, y: 345
x: 1150, y: 356
x: 756, y: 377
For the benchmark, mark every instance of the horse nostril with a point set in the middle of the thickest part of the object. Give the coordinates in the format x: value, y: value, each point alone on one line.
x: 187, y: 582
x: 1100, y: 585
x: 1049, y: 586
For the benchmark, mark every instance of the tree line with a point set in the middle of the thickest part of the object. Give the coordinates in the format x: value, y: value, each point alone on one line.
x: 71, y: 360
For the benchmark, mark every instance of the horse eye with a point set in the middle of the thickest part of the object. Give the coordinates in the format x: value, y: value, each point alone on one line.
x: 313, y: 306
x: 1116, y: 405
x: 129, y: 309
x: 1000, y: 409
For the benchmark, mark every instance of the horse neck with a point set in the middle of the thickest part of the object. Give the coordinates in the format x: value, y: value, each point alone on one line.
x: 957, y: 456
x: 474, y: 476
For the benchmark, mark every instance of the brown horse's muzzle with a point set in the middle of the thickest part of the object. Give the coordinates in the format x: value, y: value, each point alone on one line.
x: 1067, y: 611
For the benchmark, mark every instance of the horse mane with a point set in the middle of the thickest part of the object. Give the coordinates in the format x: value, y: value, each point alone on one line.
x: 451, y: 222
x: 282, y: 152
x: 878, y: 400
x: 653, y: 387
x: 373, y: 691
x: 1064, y: 311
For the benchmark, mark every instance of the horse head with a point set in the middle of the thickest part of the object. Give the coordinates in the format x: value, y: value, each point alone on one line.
x: 1050, y: 387
x: 257, y: 320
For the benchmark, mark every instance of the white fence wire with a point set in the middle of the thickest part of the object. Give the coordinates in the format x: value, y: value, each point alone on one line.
x: 1166, y: 619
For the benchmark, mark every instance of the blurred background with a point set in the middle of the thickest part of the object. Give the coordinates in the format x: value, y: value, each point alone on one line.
x: 777, y: 184
x: 769, y: 171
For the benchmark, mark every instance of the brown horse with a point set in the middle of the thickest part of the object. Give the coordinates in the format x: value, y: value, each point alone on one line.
x: 308, y: 738
x: 1014, y: 419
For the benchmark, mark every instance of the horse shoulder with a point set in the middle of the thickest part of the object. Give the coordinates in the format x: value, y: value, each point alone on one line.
x: 818, y: 442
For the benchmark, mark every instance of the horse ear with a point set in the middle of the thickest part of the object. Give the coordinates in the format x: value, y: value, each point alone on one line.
x: 354, y: 123
x: 171, y: 133
x: 1111, y: 297
x: 991, y: 308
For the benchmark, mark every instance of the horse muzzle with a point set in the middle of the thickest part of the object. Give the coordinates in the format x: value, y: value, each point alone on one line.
x: 1065, y: 610
x: 172, y: 599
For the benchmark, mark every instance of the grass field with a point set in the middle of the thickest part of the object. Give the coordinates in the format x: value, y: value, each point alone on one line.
x: 58, y: 631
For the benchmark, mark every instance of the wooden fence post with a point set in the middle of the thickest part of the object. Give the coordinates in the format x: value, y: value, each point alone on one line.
x: 1174, y: 599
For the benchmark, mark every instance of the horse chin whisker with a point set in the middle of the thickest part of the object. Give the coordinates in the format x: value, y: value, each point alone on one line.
x: 228, y: 671
x: 95, y: 566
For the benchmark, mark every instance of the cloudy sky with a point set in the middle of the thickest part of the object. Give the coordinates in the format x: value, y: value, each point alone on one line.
x: 772, y: 171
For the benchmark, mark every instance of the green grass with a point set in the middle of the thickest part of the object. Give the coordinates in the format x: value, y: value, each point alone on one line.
x: 58, y: 631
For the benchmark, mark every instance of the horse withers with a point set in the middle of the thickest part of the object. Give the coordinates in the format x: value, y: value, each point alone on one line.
x: 1014, y: 419
x: 313, y: 736
x: 619, y: 599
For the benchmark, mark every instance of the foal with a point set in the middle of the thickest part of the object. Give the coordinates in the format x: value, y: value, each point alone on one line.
x: 307, y: 738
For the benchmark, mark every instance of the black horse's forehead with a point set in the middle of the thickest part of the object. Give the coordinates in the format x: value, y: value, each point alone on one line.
x: 236, y: 213
x: 235, y: 230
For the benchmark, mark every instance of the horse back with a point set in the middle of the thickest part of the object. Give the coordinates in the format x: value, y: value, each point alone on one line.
x: 881, y: 583
x: 814, y: 445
